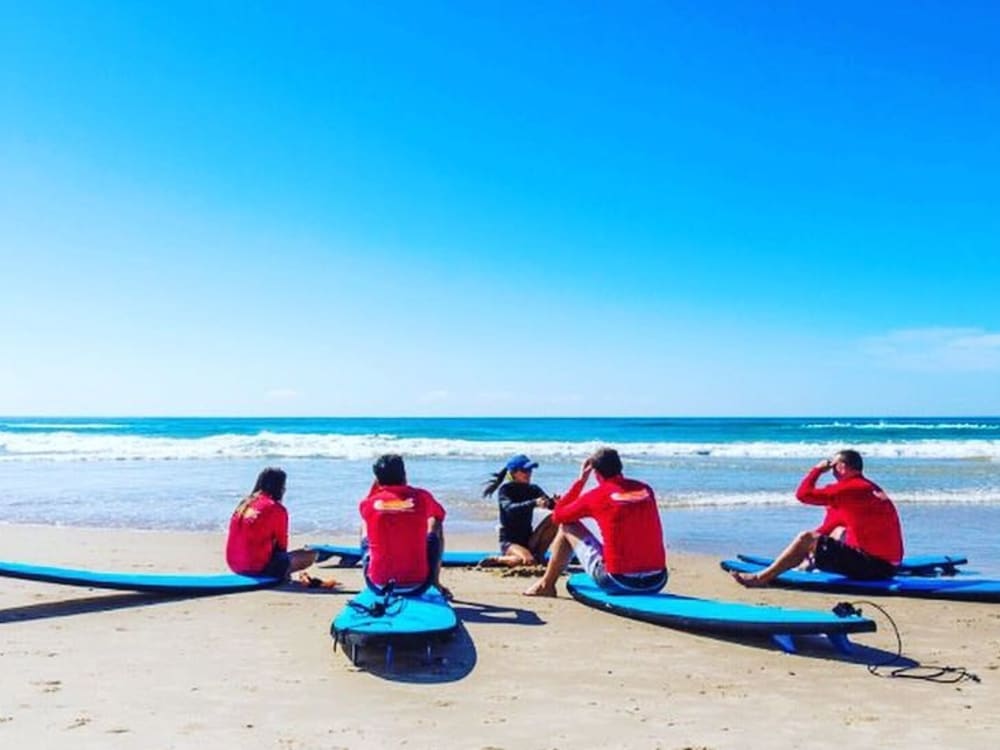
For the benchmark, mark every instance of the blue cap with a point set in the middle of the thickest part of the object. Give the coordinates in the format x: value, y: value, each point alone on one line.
x: 521, y: 462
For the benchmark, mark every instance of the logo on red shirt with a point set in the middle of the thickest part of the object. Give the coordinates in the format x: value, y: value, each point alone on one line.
x: 395, y: 505
x: 635, y: 496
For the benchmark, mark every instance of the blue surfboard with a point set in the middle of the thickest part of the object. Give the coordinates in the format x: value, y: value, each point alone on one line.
x: 963, y: 588
x: 371, y: 619
x: 725, y: 618
x: 151, y: 583
x: 914, y: 565
x: 348, y: 556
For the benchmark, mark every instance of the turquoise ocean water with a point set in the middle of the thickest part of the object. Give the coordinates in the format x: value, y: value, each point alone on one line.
x: 725, y: 485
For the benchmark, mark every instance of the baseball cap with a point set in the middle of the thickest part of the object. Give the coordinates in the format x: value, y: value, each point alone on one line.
x: 521, y: 462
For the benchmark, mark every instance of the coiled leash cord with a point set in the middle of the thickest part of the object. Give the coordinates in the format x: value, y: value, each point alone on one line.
x: 928, y: 672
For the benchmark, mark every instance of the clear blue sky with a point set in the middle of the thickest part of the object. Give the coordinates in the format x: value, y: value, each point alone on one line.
x: 664, y: 208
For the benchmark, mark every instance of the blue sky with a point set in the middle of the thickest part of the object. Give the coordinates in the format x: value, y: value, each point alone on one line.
x: 680, y: 208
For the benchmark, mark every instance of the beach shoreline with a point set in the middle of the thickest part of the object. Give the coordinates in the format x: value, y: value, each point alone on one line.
x: 91, y: 668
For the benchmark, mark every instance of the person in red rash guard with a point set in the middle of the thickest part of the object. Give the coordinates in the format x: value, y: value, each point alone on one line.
x: 629, y: 557
x: 872, y: 544
x: 402, y: 532
x: 258, y: 532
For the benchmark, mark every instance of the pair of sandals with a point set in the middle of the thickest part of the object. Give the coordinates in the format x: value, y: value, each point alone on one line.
x: 311, y: 582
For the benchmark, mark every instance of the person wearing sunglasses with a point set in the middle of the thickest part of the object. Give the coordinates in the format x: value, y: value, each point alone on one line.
x: 521, y: 541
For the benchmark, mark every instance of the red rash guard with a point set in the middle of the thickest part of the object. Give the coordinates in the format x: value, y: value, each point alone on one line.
x: 863, y: 509
x: 258, y: 527
x: 626, y: 512
x: 831, y: 521
x: 396, y: 525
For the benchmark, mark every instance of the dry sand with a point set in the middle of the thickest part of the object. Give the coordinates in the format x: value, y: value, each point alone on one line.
x: 84, y: 668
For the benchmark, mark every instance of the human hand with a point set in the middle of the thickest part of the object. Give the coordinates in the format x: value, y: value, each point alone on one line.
x: 585, y: 469
x: 825, y: 465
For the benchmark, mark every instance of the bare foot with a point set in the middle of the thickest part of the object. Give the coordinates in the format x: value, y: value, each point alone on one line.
x: 749, y: 580
x: 492, y: 562
x: 538, y: 588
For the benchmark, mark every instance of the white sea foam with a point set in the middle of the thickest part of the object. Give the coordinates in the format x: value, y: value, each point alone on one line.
x: 49, y: 426
x: 72, y: 446
x: 707, y: 500
x: 900, y: 426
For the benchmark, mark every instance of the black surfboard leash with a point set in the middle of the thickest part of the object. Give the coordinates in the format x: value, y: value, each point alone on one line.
x: 930, y: 672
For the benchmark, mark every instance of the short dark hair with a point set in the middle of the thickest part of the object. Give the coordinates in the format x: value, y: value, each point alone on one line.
x: 852, y: 459
x: 389, y: 469
x: 271, y: 482
x: 606, y: 462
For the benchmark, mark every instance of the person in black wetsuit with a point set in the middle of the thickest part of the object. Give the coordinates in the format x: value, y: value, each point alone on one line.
x: 517, y: 497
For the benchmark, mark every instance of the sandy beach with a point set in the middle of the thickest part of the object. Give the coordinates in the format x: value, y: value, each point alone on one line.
x: 87, y: 668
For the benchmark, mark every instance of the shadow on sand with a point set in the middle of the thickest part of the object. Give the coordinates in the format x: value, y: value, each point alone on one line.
x: 813, y: 647
x: 491, y: 614
x: 446, y: 660
x: 85, y: 605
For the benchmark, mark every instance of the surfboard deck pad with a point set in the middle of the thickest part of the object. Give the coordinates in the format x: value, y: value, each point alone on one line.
x: 393, y: 621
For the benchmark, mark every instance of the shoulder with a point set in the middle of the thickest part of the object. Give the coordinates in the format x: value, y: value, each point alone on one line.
x: 854, y: 483
x: 635, y: 484
x: 267, y: 506
x: 422, y: 494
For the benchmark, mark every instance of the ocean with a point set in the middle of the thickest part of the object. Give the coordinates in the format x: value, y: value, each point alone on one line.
x: 725, y: 485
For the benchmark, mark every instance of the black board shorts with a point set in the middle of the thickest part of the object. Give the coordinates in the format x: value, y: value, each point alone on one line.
x: 278, y: 565
x: 833, y: 556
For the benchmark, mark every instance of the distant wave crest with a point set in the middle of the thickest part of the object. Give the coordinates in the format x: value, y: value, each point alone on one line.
x: 60, y: 426
x: 72, y: 446
x: 901, y: 426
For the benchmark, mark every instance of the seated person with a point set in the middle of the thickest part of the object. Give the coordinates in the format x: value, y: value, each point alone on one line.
x: 631, y: 558
x: 402, y: 532
x: 258, y: 532
x: 872, y: 543
x: 517, y: 497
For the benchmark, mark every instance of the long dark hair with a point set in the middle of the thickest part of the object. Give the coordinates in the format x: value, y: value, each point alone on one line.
x: 271, y: 482
x: 495, y: 480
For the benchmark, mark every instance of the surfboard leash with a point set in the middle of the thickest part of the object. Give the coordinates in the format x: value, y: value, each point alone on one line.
x: 389, y: 605
x: 930, y: 672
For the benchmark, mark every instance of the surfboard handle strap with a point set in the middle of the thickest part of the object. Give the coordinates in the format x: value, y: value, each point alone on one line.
x: 389, y: 604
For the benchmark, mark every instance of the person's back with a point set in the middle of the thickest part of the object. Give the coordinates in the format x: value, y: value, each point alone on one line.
x: 629, y: 520
x: 865, y: 510
x: 629, y: 557
x: 871, y: 545
x: 257, y: 528
x: 396, y: 519
x: 868, y: 515
x: 258, y: 532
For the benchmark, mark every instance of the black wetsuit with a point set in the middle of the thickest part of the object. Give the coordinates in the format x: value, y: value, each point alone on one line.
x: 517, y: 503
